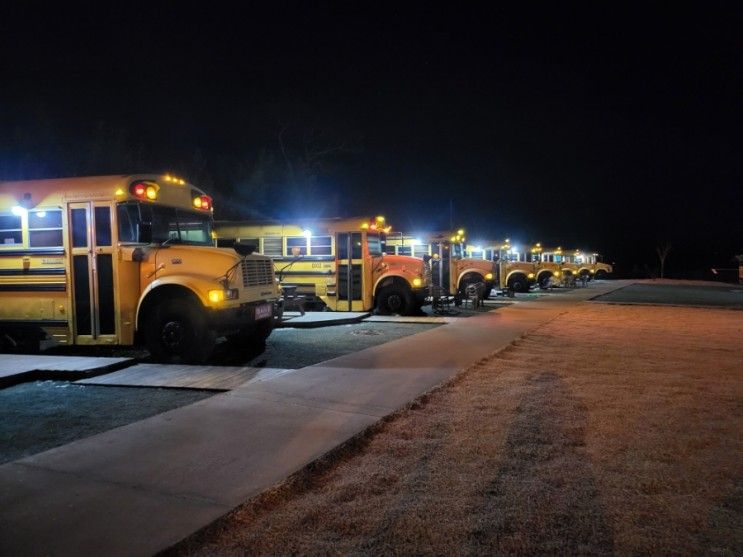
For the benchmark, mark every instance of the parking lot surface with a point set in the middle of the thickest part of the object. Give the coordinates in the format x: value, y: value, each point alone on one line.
x: 677, y: 293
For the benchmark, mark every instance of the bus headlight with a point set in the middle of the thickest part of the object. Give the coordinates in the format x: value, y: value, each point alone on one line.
x: 417, y: 282
x: 216, y: 296
x: 489, y: 276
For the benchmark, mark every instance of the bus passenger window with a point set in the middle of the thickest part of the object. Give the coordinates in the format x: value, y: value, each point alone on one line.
x: 10, y: 230
x: 296, y: 242
x: 320, y: 245
x: 419, y: 250
x: 45, y: 228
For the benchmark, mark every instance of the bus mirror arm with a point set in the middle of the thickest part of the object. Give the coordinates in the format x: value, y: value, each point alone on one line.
x: 285, y: 267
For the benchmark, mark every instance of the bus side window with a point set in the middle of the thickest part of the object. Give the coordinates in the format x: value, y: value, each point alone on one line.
x: 10, y: 229
x: 45, y: 228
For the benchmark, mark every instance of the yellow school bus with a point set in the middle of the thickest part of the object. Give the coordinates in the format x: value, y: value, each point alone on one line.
x: 451, y: 268
x: 337, y: 264
x: 514, y: 268
x: 119, y: 259
x: 549, y: 263
x: 599, y: 269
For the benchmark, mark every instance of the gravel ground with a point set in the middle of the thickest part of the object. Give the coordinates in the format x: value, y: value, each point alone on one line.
x: 41, y: 415
x: 295, y: 348
x: 44, y: 414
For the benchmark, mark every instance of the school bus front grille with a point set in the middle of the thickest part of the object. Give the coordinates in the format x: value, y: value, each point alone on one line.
x: 257, y: 272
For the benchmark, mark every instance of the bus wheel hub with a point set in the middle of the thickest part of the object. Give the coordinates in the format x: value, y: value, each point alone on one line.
x: 172, y: 333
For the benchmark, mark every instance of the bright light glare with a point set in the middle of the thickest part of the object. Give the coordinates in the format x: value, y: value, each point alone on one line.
x: 18, y: 211
x: 216, y: 296
x: 307, y: 233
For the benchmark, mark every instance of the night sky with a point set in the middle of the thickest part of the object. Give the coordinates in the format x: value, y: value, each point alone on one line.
x: 614, y: 128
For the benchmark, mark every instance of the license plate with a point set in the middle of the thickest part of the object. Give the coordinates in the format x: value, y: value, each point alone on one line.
x: 263, y: 311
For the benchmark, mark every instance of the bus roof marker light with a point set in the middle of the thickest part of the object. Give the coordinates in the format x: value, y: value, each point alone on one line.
x: 307, y: 233
x: 18, y: 211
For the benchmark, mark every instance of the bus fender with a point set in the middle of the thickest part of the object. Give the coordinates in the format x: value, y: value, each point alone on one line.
x: 471, y: 271
x: 516, y: 272
x: 390, y: 279
x: 161, y: 289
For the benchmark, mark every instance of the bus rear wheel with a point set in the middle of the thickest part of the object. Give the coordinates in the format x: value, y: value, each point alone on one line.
x: 177, y: 332
x: 544, y: 281
x: 394, y: 299
x: 601, y: 275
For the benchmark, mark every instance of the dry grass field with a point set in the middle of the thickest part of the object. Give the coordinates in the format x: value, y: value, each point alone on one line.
x: 610, y: 430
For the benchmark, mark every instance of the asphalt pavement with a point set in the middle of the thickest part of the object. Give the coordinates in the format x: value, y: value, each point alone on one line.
x: 693, y: 294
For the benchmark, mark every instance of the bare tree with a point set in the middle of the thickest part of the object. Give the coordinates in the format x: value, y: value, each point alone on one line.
x: 662, y: 252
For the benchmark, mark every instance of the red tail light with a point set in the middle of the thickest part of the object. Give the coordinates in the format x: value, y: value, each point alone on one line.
x: 145, y: 190
x: 203, y: 202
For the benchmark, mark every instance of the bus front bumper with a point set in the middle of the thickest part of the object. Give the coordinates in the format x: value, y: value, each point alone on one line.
x: 229, y: 320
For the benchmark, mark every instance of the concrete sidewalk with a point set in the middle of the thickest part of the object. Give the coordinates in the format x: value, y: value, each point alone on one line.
x: 139, y: 489
x: 17, y: 368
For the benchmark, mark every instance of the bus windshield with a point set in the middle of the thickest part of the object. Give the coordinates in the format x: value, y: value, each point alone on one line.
x: 375, y: 242
x: 144, y: 224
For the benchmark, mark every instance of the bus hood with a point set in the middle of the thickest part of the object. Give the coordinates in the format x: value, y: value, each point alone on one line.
x: 200, y: 260
x: 414, y: 264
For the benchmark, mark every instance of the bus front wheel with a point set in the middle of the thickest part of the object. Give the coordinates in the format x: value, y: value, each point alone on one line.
x: 253, y: 337
x: 177, y: 332
x: 394, y: 299
x: 518, y: 283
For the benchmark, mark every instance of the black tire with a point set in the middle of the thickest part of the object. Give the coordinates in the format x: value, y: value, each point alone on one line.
x: 518, y: 283
x: 177, y: 331
x: 254, y: 336
x: 601, y: 275
x: 394, y: 299
x: 544, y: 281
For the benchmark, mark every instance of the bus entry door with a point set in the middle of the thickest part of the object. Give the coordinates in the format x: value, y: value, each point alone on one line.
x: 92, y: 269
x: 348, y: 271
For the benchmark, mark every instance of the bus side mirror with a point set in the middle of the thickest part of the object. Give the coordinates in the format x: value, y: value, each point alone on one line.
x: 244, y: 249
